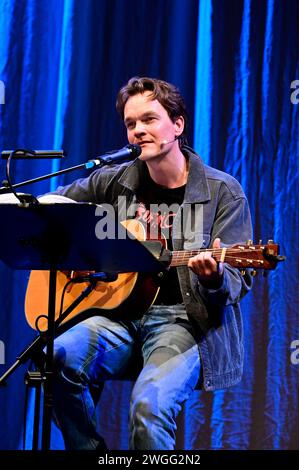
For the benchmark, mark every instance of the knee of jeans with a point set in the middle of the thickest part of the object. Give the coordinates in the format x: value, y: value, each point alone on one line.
x: 141, y: 412
x: 147, y: 403
x: 64, y: 365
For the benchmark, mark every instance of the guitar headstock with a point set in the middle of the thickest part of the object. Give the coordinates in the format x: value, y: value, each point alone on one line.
x: 261, y: 256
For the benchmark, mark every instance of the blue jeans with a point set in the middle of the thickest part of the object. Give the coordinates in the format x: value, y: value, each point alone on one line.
x: 100, y: 349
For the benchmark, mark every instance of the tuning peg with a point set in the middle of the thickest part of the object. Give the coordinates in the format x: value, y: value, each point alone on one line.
x: 243, y: 272
x: 249, y: 242
x: 253, y: 273
x: 260, y: 241
x: 270, y: 242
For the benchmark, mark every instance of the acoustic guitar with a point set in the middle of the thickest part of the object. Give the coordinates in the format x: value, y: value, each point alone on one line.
x: 131, y: 294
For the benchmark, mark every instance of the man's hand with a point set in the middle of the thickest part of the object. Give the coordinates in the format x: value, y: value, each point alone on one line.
x: 209, y: 272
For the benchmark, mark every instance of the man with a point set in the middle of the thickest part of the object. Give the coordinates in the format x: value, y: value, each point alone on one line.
x: 192, y: 335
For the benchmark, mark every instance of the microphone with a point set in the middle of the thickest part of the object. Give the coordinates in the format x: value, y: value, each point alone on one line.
x: 129, y: 152
x: 166, y: 142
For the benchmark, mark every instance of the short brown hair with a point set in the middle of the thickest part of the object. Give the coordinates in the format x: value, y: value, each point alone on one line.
x: 166, y: 93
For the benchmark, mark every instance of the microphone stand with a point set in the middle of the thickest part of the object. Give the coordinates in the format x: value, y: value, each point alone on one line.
x: 44, y: 373
x: 128, y: 152
x: 46, y: 376
x: 90, y: 164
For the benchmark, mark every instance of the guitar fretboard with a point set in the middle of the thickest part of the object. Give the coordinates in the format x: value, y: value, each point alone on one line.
x: 237, y: 256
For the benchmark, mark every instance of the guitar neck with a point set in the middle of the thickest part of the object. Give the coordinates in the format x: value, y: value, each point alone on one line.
x: 181, y: 258
x: 239, y: 256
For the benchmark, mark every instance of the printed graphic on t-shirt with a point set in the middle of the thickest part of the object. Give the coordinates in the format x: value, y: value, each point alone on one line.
x: 158, y: 219
x: 157, y: 209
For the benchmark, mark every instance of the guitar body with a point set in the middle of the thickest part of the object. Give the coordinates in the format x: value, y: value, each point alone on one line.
x: 131, y: 294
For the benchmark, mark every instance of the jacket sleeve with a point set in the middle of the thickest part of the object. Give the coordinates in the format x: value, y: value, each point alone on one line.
x: 232, y: 225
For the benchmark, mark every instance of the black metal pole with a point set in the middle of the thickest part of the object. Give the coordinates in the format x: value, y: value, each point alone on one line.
x: 6, y: 189
x: 48, y: 398
x: 29, y: 353
x: 35, y: 438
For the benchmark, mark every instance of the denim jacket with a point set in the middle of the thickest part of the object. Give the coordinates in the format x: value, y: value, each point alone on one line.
x: 223, y: 212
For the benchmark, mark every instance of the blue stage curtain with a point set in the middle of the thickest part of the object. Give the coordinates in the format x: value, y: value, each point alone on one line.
x: 62, y: 63
x: 247, y: 125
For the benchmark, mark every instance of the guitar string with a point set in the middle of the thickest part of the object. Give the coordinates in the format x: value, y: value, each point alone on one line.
x: 186, y: 254
x: 226, y: 258
x: 216, y: 250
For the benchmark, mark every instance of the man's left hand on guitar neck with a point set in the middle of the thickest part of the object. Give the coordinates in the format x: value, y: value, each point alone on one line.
x: 209, y: 272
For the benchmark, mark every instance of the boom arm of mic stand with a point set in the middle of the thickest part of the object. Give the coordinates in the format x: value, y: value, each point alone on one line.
x: 107, y: 159
x: 88, y: 165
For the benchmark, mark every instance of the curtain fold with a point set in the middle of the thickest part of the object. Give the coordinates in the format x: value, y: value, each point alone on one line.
x: 251, y: 134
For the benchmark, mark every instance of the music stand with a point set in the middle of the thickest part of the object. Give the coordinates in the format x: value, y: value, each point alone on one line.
x: 64, y: 236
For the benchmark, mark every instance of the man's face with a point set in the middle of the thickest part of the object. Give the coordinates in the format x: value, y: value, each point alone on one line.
x: 149, y: 125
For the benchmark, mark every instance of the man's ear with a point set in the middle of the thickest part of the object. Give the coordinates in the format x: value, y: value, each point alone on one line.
x: 179, y: 126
